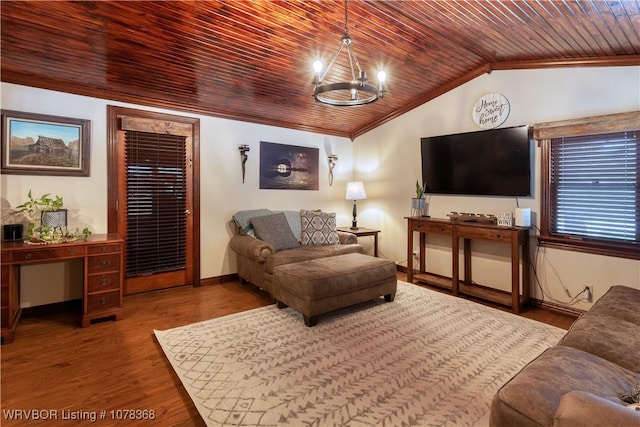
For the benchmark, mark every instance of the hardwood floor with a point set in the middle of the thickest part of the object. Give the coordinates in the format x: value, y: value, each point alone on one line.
x: 54, y: 365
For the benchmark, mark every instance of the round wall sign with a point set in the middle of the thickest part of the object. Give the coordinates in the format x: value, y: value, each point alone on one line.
x: 491, y: 110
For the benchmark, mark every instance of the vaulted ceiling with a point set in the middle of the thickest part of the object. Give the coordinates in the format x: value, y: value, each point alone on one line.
x: 250, y: 60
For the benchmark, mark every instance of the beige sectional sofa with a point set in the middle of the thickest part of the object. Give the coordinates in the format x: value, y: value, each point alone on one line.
x: 257, y: 258
x: 588, y: 379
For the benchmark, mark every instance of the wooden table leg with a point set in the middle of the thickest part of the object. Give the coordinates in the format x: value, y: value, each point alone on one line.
x: 410, y: 252
x: 467, y: 280
x: 455, y: 265
x: 375, y: 245
x: 421, y: 252
x: 515, y: 275
x: 526, y: 271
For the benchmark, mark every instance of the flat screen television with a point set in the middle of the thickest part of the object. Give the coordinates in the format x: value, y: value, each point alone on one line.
x: 494, y: 162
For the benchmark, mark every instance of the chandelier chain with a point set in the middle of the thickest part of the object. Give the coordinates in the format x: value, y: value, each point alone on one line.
x: 346, y: 19
x: 352, y: 56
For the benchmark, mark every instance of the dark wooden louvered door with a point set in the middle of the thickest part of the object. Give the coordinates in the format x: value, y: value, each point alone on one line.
x: 154, y: 201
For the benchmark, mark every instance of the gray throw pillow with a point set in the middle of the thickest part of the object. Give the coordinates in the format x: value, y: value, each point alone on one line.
x: 243, y: 220
x: 274, y: 229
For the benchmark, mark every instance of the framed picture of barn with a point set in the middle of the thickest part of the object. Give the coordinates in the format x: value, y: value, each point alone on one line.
x: 38, y: 144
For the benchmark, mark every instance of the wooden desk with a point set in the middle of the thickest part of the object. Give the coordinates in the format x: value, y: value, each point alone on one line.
x: 516, y: 237
x: 362, y: 232
x: 103, y: 256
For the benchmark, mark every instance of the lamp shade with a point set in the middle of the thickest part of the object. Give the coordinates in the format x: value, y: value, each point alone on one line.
x: 355, y: 191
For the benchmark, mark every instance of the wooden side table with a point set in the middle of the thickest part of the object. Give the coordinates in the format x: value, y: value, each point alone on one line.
x: 363, y: 232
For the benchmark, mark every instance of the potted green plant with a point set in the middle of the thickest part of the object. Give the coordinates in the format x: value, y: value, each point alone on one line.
x: 419, y: 205
x: 48, y: 219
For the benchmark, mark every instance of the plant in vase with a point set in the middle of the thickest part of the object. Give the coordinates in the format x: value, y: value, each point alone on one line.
x: 419, y: 204
x: 48, y: 212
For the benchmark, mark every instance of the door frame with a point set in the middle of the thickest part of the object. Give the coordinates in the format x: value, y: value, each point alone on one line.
x: 114, y: 115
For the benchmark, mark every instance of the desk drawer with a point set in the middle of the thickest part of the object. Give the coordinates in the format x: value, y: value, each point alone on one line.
x: 485, y: 233
x: 432, y: 227
x: 99, y: 264
x: 103, y: 301
x: 48, y: 254
x: 106, y: 248
x: 103, y: 282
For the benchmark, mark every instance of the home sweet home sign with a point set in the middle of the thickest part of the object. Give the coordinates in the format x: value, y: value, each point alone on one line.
x: 491, y: 110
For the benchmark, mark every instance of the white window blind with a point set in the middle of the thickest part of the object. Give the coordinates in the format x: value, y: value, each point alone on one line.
x: 594, y: 187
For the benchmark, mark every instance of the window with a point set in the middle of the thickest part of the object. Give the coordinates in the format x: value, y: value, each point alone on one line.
x: 590, y: 193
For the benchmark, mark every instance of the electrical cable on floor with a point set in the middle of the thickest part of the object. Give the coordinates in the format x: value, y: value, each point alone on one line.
x: 534, y: 267
x: 575, y: 299
x: 544, y: 294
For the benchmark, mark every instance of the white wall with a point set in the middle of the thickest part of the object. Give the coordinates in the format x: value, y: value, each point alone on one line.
x: 222, y: 190
x: 388, y: 161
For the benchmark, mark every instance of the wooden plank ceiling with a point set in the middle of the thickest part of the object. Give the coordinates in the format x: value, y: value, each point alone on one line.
x: 251, y: 60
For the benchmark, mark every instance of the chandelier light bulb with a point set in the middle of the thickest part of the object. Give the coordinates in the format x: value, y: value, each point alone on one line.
x: 317, y: 66
x: 382, y: 76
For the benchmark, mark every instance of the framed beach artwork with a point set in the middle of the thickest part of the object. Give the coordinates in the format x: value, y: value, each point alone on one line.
x: 288, y: 167
x: 38, y: 144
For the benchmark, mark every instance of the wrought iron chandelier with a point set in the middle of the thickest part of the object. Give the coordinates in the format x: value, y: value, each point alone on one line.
x: 355, y: 92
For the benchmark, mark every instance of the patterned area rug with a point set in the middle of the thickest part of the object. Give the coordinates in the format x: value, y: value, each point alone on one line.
x: 426, y: 359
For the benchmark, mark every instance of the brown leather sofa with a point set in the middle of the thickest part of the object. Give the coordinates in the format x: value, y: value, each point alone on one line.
x: 581, y: 381
x: 257, y: 259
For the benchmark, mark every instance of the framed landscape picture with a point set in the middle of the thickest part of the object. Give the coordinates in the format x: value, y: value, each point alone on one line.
x: 38, y: 144
x: 288, y: 167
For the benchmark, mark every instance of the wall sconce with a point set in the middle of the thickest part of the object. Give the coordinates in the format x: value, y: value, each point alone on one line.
x: 243, y: 158
x: 333, y: 158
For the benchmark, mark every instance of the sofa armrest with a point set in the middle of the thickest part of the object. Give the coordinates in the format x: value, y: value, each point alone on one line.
x: 255, y: 249
x: 347, y: 238
x: 583, y: 409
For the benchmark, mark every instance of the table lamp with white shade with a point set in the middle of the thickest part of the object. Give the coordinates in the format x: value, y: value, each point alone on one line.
x: 355, y: 191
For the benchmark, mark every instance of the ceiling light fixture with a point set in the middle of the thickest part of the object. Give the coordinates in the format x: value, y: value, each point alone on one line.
x: 351, y: 93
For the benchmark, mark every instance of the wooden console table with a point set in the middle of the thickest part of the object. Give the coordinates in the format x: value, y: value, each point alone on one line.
x: 516, y: 237
x: 103, y: 276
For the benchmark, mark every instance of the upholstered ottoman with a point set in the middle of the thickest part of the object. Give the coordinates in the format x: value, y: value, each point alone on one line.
x: 322, y: 285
